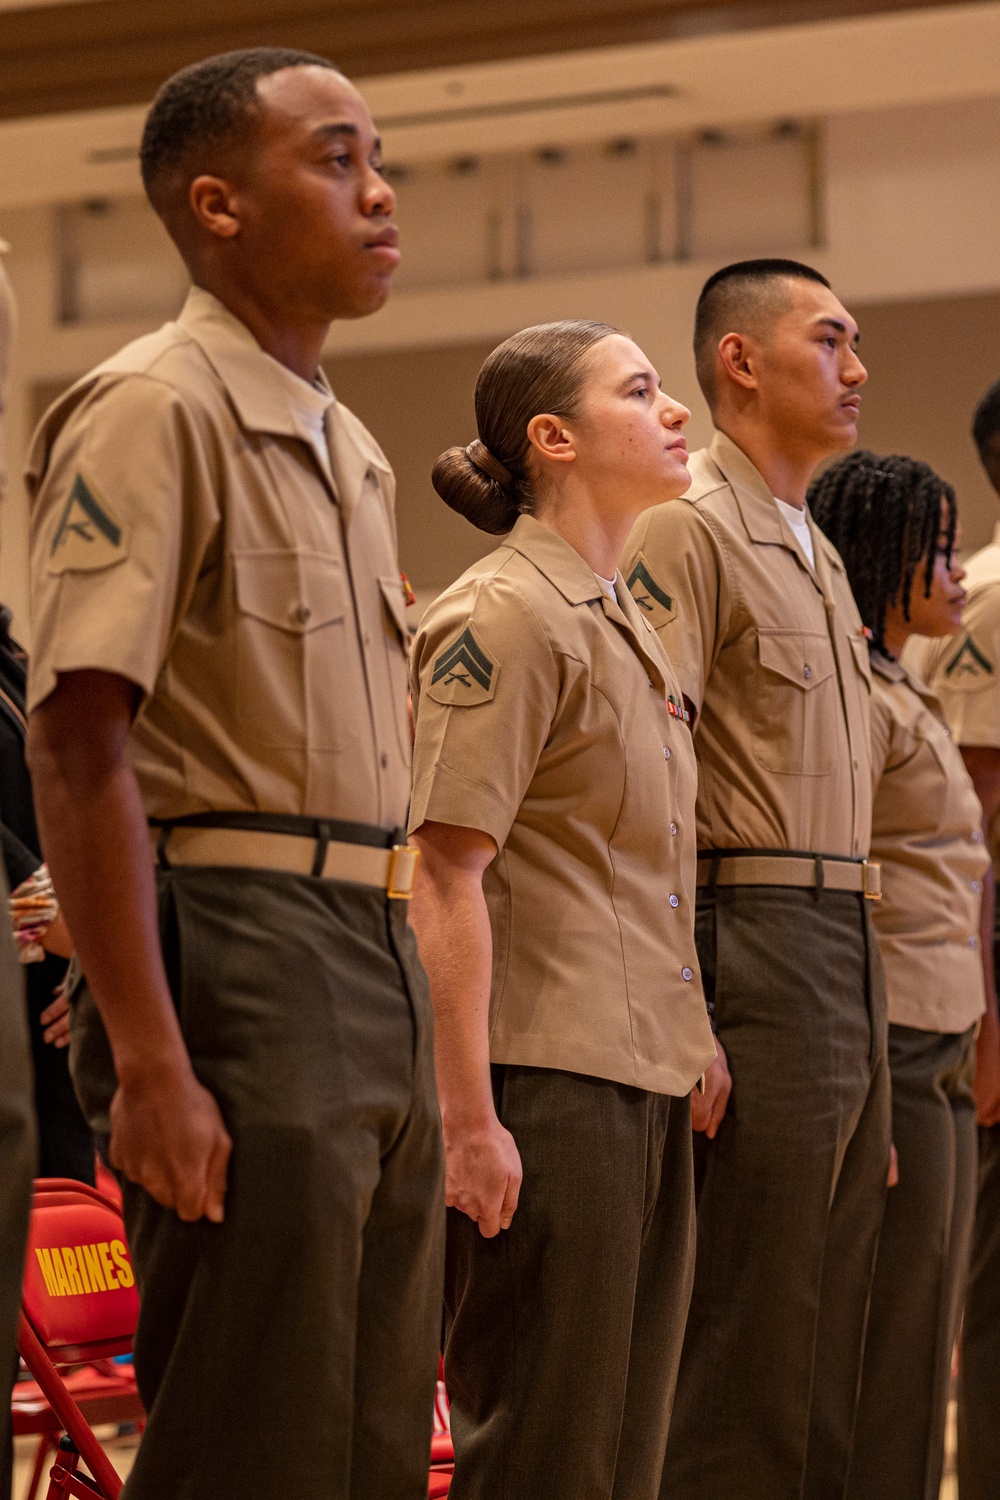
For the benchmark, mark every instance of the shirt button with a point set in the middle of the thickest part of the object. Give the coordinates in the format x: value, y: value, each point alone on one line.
x: 686, y: 974
x: 302, y: 613
x: 673, y: 829
x: 975, y: 885
x: 973, y: 942
x: 673, y: 900
x: 807, y: 672
x: 666, y: 752
x: 977, y: 835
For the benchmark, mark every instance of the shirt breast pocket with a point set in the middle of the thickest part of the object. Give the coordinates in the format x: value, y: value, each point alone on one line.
x: 795, y: 703
x: 292, y: 613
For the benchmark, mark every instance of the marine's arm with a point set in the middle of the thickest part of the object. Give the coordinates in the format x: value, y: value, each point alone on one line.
x: 983, y: 765
x: 167, y: 1132
x: 448, y: 912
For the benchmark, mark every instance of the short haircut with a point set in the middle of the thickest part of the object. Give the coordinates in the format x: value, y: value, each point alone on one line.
x: 883, y: 515
x: 741, y: 298
x: 986, y: 422
x: 211, y: 103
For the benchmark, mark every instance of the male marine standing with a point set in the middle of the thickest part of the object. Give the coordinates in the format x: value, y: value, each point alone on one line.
x: 965, y: 673
x: 753, y: 606
x: 221, y: 654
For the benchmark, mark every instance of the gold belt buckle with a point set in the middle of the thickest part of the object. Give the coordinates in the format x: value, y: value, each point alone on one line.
x: 871, y: 880
x: 403, y: 863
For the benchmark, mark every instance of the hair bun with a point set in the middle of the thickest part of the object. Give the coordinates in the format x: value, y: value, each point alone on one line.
x: 490, y: 464
x: 463, y: 480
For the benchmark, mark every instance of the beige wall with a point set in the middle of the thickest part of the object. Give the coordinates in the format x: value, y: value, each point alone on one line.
x: 929, y: 364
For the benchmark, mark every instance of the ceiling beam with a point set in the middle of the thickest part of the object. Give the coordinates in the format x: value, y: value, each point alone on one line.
x: 60, y: 57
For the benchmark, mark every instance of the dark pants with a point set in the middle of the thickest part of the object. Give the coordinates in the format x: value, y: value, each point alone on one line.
x: 564, y: 1332
x: 791, y: 1195
x: 979, y: 1367
x: 65, y: 1140
x: 923, y: 1256
x: 17, y: 1166
x: 292, y: 1351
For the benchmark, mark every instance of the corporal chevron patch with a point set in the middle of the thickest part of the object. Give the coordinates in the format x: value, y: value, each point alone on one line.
x: 88, y: 536
x: 464, y: 674
x: 968, y: 667
x: 654, y: 601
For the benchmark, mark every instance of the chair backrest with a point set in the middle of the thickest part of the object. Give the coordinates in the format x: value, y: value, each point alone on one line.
x: 79, y: 1286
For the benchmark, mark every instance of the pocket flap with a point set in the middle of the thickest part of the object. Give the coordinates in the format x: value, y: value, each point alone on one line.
x: 801, y: 657
x: 862, y: 657
x: 395, y: 603
x: 294, y: 591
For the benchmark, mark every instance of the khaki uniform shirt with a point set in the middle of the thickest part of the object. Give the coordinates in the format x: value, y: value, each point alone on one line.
x: 7, y: 325
x: 925, y: 834
x: 771, y: 653
x: 543, y: 719
x: 192, y: 531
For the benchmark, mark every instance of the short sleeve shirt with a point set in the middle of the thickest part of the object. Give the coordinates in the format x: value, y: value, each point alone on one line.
x: 771, y: 653
x: 925, y: 835
x: 7, y: 325
x: 548, y: 717
x: 964, y: 670
x: 187, y: 534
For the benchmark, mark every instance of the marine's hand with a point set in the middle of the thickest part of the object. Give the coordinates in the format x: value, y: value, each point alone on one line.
x: 708, y: 1108
x: 987, y: 1081
x: 167, y: 1135
x: 55, y: 1019
x: 893, y: 1178
x: 483, y: 1175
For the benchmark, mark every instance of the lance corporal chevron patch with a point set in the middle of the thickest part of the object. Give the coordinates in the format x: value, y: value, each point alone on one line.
x: 656, y: 604
x: 968, y: 668
x: 88, y: 535
x: 464, y: 674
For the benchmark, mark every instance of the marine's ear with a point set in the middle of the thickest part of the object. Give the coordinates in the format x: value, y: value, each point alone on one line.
x: 551, y: 438
x: 735, y: 357
x: 212, y: 203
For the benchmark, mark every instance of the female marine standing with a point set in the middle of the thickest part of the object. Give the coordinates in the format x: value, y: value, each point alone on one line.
x: 554, y: 786
x: 893, y: 521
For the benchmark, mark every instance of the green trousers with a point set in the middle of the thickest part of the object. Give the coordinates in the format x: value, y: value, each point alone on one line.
x: 923, y: 1256
x: 17, y: 1163
x: 790, y: 1199
x: 979, y: 1366
x: 292, y: 1350
x: 564, y: 1331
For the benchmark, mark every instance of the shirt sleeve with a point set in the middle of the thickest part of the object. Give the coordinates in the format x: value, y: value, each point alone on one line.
x: 485, y: 694
x: 673, y: 568
x: 19, y: 862
x: 966, y: 673
x: 881, y: 733
x: 109, y: 487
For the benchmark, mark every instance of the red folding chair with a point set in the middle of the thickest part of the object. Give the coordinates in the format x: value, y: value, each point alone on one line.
x: 79, y: 1308
x: 442, y: 1451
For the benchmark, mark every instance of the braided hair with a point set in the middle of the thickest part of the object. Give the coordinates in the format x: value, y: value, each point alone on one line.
x: 883, y: 515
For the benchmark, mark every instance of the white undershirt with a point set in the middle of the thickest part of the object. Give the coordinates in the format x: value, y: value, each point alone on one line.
x: 608, y: 585
x: 798, y: 521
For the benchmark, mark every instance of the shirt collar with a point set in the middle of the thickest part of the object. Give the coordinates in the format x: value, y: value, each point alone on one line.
x: 566, y: 570
x: 270, y: 398
x: 761, y: 516
x: 553, y: 556
x: 888, y: 667
x: 267, y: 396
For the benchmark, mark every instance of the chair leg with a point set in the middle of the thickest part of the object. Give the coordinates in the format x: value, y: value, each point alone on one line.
x: 41, y: 1453
x: 67, y: 1459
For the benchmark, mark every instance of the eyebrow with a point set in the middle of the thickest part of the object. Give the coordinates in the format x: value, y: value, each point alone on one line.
x: 343, y: 127
x: 649, y: 376
x: 838, y: 325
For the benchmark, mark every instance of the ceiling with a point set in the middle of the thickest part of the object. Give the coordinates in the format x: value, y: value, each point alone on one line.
x: 58, y: 57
